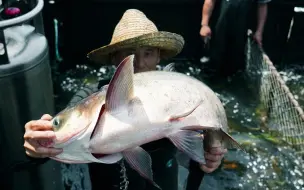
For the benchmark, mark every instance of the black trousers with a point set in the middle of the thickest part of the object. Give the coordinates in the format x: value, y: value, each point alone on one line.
x: 229, y: 32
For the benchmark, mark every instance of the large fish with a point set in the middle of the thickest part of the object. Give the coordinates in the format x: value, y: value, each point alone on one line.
x: 135, y: 109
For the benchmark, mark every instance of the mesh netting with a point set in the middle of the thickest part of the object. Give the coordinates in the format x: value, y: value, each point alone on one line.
x: 282, y: 114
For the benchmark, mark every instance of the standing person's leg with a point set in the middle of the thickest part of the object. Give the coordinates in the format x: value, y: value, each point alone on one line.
x: 238, y: 35
x: 218, y: 43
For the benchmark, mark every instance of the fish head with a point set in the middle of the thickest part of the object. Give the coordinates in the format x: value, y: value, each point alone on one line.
x: 73, y: 121
x: 74, y: 127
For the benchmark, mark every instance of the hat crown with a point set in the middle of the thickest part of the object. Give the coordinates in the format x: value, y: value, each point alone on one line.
x: 133, y: 23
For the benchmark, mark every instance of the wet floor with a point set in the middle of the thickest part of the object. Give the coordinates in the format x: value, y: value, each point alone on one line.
x: 268, y: 163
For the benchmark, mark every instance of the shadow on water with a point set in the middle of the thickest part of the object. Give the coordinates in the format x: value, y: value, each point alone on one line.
x: 268, y: 163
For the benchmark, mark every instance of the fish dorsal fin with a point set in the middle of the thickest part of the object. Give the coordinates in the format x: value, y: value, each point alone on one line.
x: 169, y: 67
x: 120, y: 89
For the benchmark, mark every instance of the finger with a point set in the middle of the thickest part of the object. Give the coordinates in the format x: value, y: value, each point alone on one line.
x: 206, y: 169
x: 46, y: 117
x: 214, y: 157
x: 212, y: 164
x: 48, y: 152
x: 39, y: 125
x: 45, y: 154
x: 33, y: 154
x: 40, y: 152
x: 30, y: 150
x: 39, y: 135
x: 217, y: 150
x: 30, y: 145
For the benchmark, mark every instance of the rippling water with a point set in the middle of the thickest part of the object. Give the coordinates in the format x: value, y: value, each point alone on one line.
x: 294, y: 78
x: 268, y: 163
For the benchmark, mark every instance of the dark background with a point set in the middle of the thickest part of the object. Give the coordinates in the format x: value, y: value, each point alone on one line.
x: 89, y: 24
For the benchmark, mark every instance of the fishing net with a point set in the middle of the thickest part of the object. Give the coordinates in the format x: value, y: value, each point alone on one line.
x: 280, y: 112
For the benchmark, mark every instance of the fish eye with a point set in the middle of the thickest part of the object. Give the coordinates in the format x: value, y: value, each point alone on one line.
x: 56, y: 122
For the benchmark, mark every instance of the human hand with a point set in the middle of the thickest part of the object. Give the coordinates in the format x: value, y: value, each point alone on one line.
x: 213, y: 158
x: 38, y: 137
x: 258, y: 37
x: 205, y: 31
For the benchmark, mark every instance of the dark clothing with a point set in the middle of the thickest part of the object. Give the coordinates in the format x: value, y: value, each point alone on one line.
x: 109, y: 176
x: 229, y: 37
x: 229, y: 25
x: 164, y: 166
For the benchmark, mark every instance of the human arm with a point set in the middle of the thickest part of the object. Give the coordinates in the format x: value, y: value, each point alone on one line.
x: 207, y: 10
x: 213, y: 157
x: 262, y: 9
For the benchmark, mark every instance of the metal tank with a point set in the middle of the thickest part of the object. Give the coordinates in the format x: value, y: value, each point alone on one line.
x: 26, y: 92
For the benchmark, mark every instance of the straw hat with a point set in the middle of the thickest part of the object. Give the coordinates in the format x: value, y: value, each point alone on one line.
x: 136, y: 30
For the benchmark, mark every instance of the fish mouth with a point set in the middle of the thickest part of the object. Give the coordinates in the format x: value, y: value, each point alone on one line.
x: 69, y: 139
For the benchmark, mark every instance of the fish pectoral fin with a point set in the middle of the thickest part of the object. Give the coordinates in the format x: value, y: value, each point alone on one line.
x: 140, y: 161
x: 120, y: 89
x: 189, y: 142
x: 185, y: 114
x: 170, y: 67
x: 231, y: 142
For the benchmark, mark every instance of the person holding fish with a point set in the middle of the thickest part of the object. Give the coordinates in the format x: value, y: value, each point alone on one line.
x: 134, y: 34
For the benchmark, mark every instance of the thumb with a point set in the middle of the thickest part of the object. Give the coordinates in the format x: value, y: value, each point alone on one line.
x: 46, y: 117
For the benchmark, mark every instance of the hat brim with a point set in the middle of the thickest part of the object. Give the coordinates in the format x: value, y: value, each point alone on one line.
x: 170, y: 44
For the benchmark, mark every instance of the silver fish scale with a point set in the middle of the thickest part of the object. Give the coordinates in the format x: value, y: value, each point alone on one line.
x: 166, y: 89
x: 179, y: 93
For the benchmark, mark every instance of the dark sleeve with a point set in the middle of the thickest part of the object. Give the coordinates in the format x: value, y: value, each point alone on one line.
x: 196, y: 175
x: 27, y: 163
